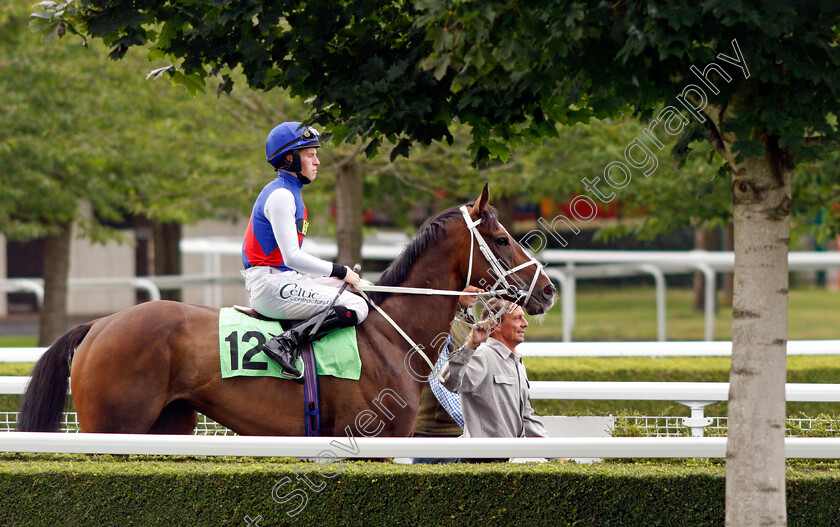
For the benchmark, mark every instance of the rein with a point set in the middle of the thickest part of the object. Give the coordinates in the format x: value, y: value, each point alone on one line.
x: 411, y: 290
x: 414, y: 345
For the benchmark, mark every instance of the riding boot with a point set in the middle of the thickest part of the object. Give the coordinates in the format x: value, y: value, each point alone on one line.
x: 285, y: 347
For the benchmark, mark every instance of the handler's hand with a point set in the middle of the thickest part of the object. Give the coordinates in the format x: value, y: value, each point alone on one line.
x: 480, y: 332
x: 468, y: 301
x: 352, y: 277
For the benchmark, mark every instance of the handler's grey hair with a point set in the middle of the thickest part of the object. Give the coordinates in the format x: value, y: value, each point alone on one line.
x: 497, y: 308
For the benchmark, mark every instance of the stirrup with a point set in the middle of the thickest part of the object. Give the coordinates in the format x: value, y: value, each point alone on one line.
x: 301, y: 379
x: 277, y: 358
x: 289, y: 375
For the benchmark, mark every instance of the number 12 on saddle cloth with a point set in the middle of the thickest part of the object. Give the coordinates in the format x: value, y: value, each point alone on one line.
x: 242, y: 336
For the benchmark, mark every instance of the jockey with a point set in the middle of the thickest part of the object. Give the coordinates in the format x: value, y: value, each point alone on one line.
x: 282, y: 280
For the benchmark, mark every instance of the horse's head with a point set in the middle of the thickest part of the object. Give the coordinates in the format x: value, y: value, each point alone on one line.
x: 499, y: 263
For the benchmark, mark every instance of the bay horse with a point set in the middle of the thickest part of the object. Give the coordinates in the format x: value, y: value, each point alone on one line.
x: 152, y: 367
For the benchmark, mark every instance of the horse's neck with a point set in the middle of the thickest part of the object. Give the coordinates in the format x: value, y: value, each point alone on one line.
x: 426, y: 318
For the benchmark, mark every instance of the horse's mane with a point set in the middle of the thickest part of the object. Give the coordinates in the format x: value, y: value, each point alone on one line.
x: 430, y: 233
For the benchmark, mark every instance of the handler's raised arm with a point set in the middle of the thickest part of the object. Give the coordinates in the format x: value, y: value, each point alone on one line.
x: 465, y: 370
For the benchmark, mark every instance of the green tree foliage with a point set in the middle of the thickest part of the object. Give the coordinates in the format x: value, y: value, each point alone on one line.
x: 358, y: 60
x: 510, y: 71
x: 78, y: 129
x: 400, y: 74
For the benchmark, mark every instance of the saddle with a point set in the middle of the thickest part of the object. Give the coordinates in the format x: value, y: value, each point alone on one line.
x: 253, y: 313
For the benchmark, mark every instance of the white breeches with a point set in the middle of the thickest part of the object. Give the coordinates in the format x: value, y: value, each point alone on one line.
x: 294, y: 296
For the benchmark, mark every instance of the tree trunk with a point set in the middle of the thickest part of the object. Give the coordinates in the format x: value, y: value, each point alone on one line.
x: 348, y: 199
x: 727, y: 280
x: 167, y: 254
x: 704, y: 239
x: 143, y: 254
x: 506, y: 205
x: 755, y: 461
x: 56, y: 275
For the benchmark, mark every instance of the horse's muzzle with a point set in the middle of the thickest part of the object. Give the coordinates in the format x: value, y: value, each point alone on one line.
x: 540, y: 300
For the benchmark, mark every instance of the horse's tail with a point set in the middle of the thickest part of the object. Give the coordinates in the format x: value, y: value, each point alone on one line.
x: 46, y: 392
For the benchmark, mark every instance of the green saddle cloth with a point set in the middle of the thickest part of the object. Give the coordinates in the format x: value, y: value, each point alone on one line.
x: 241, y: 337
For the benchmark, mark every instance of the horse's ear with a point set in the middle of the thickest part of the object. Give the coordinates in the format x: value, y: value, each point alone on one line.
x: 480, y: 203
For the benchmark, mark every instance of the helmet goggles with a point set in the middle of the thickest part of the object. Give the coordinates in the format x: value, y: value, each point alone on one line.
x: 307, y: 138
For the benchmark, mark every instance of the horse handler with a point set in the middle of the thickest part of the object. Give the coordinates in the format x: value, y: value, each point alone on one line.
x: 282, y: 280
x: 490, y: 378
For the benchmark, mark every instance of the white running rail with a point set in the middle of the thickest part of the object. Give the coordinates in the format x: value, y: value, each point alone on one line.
x: 719, y: 348
x: 318, y: 448
x: 605, y: 391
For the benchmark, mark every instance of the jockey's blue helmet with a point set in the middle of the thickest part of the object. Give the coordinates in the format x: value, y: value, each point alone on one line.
x: 288, y: 138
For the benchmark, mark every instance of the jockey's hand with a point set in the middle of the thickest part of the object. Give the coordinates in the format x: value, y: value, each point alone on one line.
x: 467, y: 301
x: 352, y: 277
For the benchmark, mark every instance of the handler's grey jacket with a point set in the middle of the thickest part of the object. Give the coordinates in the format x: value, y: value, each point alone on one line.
x: 493, y: 387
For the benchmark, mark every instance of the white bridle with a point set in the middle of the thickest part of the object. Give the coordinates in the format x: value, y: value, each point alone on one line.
x: 496, y: 268
x: 496, y: 265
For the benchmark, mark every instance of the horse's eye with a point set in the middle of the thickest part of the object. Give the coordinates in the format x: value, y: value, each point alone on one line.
x: 501, y: 240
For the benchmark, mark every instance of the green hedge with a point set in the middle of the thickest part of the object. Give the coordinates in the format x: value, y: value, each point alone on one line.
x: 106, y: 490
x: 16, y: 368
x: 18, y: 341
x: 800, y: 368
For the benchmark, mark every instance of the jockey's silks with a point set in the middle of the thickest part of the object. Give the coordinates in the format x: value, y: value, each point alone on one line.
x: 260, y: 247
